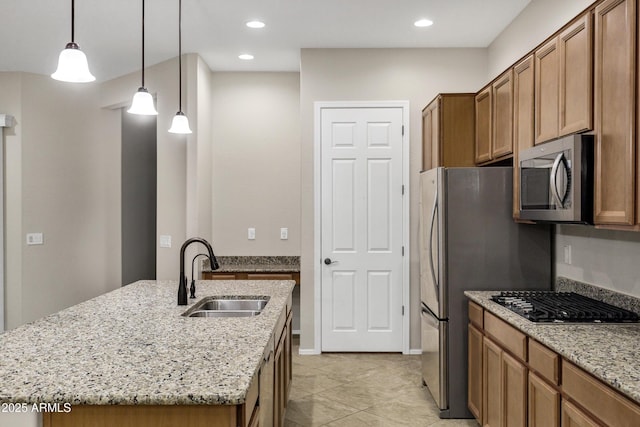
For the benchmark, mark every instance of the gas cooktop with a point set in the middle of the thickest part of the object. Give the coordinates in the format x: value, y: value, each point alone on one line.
x: 562, y: 307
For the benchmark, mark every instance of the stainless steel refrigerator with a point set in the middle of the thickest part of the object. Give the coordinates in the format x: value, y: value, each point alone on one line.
x: 469, y: 241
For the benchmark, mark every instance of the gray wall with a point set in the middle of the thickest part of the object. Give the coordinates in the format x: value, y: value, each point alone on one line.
x: 63, y: 180
x: 139, y: 160
x: 604, y: 258
x: 256, y: 162
x: 416, y: 75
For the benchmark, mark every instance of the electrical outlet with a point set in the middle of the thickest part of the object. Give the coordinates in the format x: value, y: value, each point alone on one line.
x: 165, y: 241
x: 35, y: 239
x: 251, y: 233
x: 567, y: 254
x: 284, y: 233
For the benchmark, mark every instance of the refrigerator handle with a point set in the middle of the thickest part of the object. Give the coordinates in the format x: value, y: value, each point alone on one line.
x: 433, y: 271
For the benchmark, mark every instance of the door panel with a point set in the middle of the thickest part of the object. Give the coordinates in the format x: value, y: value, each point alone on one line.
x: 343, y: 300
x: 361, y: 237
x: 431, y: 219
x: 379, y: 206
x: 379, y: 288
x: 344, y: 171
x: 434, y: 348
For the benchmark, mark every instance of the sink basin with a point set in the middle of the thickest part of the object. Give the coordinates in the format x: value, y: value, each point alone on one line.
x: 217, y: 306
x: 223, y: 313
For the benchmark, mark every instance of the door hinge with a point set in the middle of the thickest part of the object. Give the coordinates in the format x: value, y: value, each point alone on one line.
x: 403, y: 189
x: 402, y: 130
x: 403, y: 310
x: 403, y: 251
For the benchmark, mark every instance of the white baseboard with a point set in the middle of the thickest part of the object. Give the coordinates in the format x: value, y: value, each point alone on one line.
x: 308, y: 352
x: 296, y: 332
x: 415, y: 351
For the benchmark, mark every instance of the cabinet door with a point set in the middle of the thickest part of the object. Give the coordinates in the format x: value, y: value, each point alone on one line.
x: 267, y: 390
x: 426, y: 138
x: 574, y: 417
x: 483, y: 125
x: 491, y: 384
x: 502, y: 92
x: 514, y: 390
x: 614, y: 111
x: 544, y: 403
x: 547, y: 76
x: 279, y: 393
x: 218, y: 276
x: 288, y: 360
x: 474, y: 396
x: 576, y: 78
x: 436, y: 142
x: 523, y: 104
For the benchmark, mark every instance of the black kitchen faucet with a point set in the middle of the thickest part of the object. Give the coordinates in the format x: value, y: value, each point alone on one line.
x: 182, y: 286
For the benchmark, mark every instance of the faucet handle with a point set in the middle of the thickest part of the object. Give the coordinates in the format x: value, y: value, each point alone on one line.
x: 192, y: 289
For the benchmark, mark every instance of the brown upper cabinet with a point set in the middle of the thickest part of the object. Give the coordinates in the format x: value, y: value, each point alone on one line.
x: 483, y: 125
x: 502, y: 90
x: 576, y: 77
x: 447, y: 131
x: 494, y: 120
x: 523, y: 120
x: 615, y: 112
x: 564, y: 81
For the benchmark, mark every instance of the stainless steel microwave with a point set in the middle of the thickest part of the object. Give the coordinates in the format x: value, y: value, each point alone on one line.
x: 556, y: 181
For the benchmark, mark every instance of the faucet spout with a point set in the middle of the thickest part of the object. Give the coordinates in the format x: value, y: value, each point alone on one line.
x: 182, y: 286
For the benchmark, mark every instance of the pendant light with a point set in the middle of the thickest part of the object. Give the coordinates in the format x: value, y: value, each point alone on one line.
x: 142, y: 100
x: 72, y: 62
x: 180, y: 123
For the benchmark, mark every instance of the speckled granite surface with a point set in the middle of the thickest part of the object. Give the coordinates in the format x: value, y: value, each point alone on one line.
x: 132, y: 346
x: 255, y: 264
x: 609, y: 352
x: 614, y: 298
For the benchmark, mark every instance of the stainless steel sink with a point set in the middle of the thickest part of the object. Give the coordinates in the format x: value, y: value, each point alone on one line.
x: 217, y: 306
x: 223, y: 313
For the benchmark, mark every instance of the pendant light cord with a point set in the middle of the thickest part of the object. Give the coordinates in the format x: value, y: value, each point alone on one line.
x: 180, y: 53
x: 73, y: 19
x: 142, y: 43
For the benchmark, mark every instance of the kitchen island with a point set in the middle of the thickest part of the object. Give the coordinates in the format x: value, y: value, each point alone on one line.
x: 129, y: 356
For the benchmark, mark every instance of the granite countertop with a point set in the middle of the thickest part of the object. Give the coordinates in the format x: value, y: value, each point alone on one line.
x: 255, y: 264
x: 609, y: 352
x: 131, y: 346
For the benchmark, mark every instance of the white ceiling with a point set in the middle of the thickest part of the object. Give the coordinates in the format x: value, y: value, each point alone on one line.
x: 33, y: 32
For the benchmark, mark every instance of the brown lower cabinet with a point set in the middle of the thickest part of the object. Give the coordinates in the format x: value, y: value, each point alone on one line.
x: 544, y: 403
x: 516, y: 381
x: 214, y: 275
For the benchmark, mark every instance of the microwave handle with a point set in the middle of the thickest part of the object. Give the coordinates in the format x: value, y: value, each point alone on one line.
x: 553, y: 182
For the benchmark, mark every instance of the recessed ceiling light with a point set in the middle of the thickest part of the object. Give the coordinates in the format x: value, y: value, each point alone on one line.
x: 246, y: 57
x: 421, y: 23
x: 255, y: 24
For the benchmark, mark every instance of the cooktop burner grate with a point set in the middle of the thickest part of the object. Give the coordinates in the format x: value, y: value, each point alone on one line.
x: 562, y: 307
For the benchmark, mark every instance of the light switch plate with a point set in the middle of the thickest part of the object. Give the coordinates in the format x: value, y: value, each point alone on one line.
x: 165, y: 241
x: 284, y: 233
x: 251, y: 233
x: 35, y: 239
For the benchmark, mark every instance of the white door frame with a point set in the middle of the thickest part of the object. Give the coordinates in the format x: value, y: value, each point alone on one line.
x: 318, y: 106
x: 5, y: 121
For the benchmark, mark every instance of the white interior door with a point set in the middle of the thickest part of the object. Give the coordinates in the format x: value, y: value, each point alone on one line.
x: 361, y: 229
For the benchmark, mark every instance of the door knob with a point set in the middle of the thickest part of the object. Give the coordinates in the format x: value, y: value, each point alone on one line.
x: 328, y: 261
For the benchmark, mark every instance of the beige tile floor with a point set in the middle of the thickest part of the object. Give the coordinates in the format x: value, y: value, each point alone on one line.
x: 361, y: 389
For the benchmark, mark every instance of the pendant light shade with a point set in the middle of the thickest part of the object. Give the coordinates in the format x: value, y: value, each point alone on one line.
x: 180, y: 123
x: 72, y: 62
x: 142, y: 102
